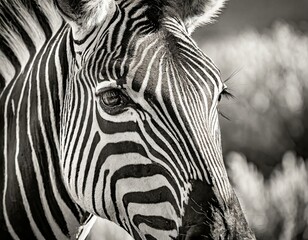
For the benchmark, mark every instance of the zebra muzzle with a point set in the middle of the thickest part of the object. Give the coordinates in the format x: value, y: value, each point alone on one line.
x: 207, y: 217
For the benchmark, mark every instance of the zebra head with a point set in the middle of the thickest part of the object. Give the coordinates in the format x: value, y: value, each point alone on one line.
x: 140, y: 135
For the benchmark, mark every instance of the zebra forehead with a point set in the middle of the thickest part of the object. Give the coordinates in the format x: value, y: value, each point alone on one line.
x: 161, y: 52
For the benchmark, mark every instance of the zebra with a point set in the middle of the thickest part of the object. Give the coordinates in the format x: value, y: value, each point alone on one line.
x: 109, y: 109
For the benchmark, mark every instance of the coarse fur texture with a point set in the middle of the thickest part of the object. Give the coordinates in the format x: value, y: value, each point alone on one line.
x: 113, y: 112
x: 18, y: 17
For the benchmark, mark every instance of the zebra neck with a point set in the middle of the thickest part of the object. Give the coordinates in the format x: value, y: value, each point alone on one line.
x: 35, y: 203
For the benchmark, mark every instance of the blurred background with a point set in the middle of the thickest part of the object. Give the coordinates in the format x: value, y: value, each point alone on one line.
x: 261, y: 48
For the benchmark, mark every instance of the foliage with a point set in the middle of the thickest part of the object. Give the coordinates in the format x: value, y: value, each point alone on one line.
x: 268, y: 115
x: 268, y: 118
x: 276, y: 208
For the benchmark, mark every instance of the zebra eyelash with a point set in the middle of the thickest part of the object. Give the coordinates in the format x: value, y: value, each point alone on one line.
x: 225, y: 94
x: 223, y: 115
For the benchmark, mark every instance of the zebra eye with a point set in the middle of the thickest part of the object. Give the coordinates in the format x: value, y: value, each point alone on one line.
x: 113, y: 100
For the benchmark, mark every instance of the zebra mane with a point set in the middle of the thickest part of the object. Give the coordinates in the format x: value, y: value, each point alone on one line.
x: 25, y: 25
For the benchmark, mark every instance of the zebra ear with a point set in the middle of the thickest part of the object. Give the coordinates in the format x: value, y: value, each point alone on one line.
x: 196, y: 12
x: 84, y: 14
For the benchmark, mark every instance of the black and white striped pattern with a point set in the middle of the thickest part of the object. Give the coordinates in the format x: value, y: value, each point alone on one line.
x: 65, y: 152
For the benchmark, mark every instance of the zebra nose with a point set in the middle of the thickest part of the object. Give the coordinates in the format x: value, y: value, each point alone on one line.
x: 206, y: 217
x: 198, y: 211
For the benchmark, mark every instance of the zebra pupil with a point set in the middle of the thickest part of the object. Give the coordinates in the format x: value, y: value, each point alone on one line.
x: 112, y: 98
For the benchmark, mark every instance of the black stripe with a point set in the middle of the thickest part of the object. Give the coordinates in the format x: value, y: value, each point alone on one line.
x: 112, y: 149
x: 83, y: 122
x: 13, y: 200
x: 94, y: 144
x: 159, y: 195
x: 160, y: 156
x: 72, y: 124
x: 109, y: 127
x: 116, y: 30
x: 28, y: 173
x: 10, y: 55
x: 149, y: 237
x: 186, y: 141
x: 38, y: 140
x: 53, y: 88
x: 2, y: 82
x: 156, y: 222
x: 106, y: 173
x: 138, y: 171
x: 85, y: 142
x: 85, y: 38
